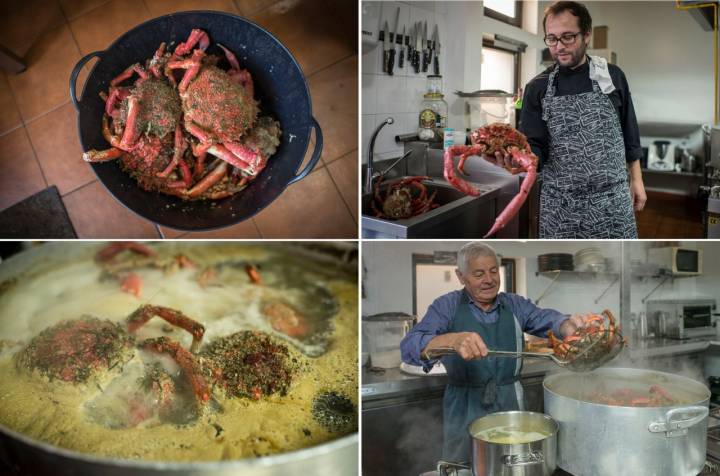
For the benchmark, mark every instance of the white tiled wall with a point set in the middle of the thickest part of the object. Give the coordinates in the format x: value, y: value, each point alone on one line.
x: 397, y: 96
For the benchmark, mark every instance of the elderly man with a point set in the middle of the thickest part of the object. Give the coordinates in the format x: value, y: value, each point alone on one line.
x: 471, y: 321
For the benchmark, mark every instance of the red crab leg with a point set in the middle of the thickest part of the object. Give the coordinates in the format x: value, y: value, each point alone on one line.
x: 201, y: 134
x: 449, y: 166
x: 155, y: 61
x: 253, y: 274
x: 196, y: 36
x: 131, y: 134
x: 102, y: 155
x: 113, y: 249
x: 185, y: 172
x: 528, y: 162
x: 180, y: 147
x: 144, y: 313
x: 256, y: 159
x: 223, y: 153
x: 116, y: 94
x: 128, y: 72
x: 200, y: 152
x: 185, y: 360
x: 238, y: 75
x: 192, y: 67
x: 208, y: 181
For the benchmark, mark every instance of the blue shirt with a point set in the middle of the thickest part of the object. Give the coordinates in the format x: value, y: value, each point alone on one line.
x: 438, y: 318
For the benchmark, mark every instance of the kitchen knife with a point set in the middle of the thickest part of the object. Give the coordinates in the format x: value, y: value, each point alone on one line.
x: 386, y: 48
x: 402, y: 49
x: 418, y: 48
x: 436, y: 51
x: 391, y: 59
x: 426, y: 51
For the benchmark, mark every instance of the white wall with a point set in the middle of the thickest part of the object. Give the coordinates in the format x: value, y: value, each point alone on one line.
x: 388, y: 280
x: 399, y: 96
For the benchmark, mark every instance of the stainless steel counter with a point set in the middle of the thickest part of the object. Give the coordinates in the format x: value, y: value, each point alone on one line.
x: 394, y: 382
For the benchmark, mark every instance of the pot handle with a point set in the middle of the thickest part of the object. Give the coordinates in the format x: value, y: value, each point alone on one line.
x: 76, y: 72
x: 678, y: 420
x: 444, y: 467
x: 316, y: 153
x: 523, y: 459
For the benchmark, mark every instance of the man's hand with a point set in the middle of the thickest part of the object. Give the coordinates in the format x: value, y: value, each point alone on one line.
x: 572, y: 324
x: 499, y: 159
x: 469, y: 345
x: 637, y: 189
x: 637, y: 192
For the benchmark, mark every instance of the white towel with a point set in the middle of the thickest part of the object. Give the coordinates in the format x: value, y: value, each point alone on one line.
x: 600, y: 73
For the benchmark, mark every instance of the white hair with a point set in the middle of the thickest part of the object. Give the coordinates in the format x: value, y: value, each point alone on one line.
x: 472, y: 250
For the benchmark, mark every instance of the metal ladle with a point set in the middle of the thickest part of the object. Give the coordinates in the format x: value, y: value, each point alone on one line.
x: 580, y: 363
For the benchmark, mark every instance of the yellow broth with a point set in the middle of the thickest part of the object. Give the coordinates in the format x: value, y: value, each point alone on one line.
x: 52, y: 411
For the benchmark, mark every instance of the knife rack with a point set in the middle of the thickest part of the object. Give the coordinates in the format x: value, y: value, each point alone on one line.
x: 405, y: 40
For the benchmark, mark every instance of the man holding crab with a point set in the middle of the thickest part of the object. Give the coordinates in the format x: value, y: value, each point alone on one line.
x: 471, y: 321
x: 579, y: 119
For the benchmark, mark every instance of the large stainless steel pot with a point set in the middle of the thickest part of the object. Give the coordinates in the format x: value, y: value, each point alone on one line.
x: 536, y: 458
x: 598, y: 440
x: 22, y: 455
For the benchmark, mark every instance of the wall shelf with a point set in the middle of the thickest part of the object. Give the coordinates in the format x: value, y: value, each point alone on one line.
x: 556, y: 275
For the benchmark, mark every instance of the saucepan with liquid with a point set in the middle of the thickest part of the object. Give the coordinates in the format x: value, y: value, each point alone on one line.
x: 179, y: 358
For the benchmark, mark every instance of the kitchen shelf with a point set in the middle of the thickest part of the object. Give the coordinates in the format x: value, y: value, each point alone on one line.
x: 555, y: 275
x: 672, y: 172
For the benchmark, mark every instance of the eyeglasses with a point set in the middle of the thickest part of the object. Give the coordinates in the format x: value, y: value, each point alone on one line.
x: 566, y: 39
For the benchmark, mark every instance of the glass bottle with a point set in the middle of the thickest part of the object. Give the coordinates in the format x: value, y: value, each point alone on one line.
x: 433, y: 111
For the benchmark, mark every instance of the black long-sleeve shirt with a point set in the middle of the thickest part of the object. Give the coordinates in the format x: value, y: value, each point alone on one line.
x: 577, y: 81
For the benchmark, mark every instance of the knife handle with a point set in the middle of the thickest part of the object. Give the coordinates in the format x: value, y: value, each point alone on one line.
x: 391, y: 61
x: 401, y: 61
x: 386, y: 60
x: 416, y: 61
x: 425, y: 61
x: 436, y: 65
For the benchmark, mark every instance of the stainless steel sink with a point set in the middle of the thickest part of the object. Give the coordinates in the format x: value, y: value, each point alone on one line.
x: 458, y: 216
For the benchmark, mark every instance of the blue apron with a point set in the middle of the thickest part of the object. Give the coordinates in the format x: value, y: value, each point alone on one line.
x: 478, y: 387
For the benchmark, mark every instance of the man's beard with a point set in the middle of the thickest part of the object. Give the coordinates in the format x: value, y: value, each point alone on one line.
x: 576, y: 57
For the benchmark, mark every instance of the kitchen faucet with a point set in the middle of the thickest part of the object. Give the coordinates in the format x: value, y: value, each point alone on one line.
x: 371, y: 149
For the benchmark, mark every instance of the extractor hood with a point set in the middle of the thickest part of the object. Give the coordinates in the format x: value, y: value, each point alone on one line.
x: 702, y: 15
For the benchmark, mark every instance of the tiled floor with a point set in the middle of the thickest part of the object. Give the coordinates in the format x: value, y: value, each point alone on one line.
x: 670, y: 216
x: 39, y: 143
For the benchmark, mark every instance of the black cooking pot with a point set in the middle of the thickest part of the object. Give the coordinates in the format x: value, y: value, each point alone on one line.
x: 279, y: 85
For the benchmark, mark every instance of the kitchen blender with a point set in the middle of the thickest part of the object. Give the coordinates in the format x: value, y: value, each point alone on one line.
x: 658, y: 152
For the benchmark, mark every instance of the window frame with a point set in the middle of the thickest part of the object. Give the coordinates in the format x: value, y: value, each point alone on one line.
x: 421, y: 258
x: 516, y: 64
x: 494, y: 14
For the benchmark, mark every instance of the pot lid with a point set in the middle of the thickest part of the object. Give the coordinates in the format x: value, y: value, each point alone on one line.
x: 388, y: 316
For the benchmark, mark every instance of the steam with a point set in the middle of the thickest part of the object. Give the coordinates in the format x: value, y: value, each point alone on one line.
x: 418, y: 448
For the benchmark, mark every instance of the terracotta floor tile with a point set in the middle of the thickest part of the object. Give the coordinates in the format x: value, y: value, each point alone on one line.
x: 75, y: 8
x: 311, y: 208
x: 246, y: 229
x: 44, y: 85
x: 10, y: 116
x: 100, y: 27
x: 96, y: 214
x: 23, y: 22
x: 20, y: 174
x: 335, y: 105
x: 344, y: 172
x: 163, y: 7
x: 55, y: 139
x: 311, y: 35
x: 248, y: 7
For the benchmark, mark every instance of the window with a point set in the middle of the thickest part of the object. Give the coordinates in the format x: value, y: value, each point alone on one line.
x: 500, y: 69
x: 432, y: 279
x: 506, y: 11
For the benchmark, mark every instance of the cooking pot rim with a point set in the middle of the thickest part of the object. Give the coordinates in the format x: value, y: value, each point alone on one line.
x: 544, y: 416
x: 261, y: 461
x: 549, y: 380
